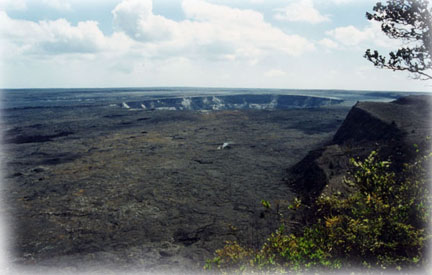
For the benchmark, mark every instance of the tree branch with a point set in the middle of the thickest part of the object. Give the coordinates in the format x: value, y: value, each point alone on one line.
x: 410, y: 21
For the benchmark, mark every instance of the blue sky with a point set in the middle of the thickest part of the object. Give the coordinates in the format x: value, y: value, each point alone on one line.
x: 295, y: 44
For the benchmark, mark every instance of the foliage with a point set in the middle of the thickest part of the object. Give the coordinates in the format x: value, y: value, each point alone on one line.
x: 266, y: 204
x: 381, y: 225
x: 296, y: 204
x: 410, y: 21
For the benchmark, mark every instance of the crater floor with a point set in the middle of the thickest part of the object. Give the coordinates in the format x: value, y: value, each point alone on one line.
x: 104, y: 187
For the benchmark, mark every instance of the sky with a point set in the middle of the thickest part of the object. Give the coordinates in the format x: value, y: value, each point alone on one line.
x: 289, y: 44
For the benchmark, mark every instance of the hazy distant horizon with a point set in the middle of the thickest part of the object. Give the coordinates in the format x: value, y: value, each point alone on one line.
x: 214, y: 87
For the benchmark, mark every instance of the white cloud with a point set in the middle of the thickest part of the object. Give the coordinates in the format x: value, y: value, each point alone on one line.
x: 371, y: 34
x: 328, y: 43
x: 344, y: 2
x: 275, y: 73
x: 58, y: 4
x: 349, y: 35
x: 50, y: 37
x: 210, y: 31
x: 301, y: 11
x: 228, y: 44
x: 136, y: 19
x: 63, y: 37
x: 13, y: 4
x: 339, y: 2
x: 199, y: 10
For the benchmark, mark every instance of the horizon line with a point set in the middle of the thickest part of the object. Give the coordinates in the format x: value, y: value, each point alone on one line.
x: 213, y: 87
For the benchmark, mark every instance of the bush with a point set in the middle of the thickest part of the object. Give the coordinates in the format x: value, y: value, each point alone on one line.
x: 381, y: 225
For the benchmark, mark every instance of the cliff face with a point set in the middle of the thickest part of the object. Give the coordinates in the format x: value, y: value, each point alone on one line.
x: 234, y: 102
x: 390, y: 128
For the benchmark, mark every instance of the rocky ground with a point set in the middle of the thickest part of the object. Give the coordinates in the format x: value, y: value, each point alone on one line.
x: 89, y: 189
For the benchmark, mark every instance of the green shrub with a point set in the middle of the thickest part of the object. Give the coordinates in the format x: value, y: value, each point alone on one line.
x: 381, y: 225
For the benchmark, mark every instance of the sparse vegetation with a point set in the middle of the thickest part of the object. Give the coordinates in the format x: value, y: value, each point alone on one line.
x: 383, y: 225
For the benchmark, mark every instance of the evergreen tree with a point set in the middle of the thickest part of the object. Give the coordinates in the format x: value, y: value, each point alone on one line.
x: 411, y: 22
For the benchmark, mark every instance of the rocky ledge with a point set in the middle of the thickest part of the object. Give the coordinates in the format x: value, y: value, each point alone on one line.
x: 396, y: 130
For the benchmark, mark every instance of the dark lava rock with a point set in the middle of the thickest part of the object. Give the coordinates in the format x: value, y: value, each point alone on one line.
x: 38, y: 170
x: 35, y: 138
x: 390, y: 128
x: 154, y: 193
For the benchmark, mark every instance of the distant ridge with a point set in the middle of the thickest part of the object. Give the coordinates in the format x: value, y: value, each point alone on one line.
x: 234, y: 102
x: 90, y: 97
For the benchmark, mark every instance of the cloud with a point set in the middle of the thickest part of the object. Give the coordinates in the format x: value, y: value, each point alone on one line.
x: 328, y: 43
x: 85, y: 37
x: 61, y: 5
x: 339, y: 2
x: 301, y: 11
x: 51, y: 37
x: 275, y: 73
x: 13, y: 5
x: 199, y: 10
x: 209, y: 31
x: 212, y: 39
x: 135, y: 18
x: 371, y: 34
x: 343, y: 2
x: 350, y: 35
